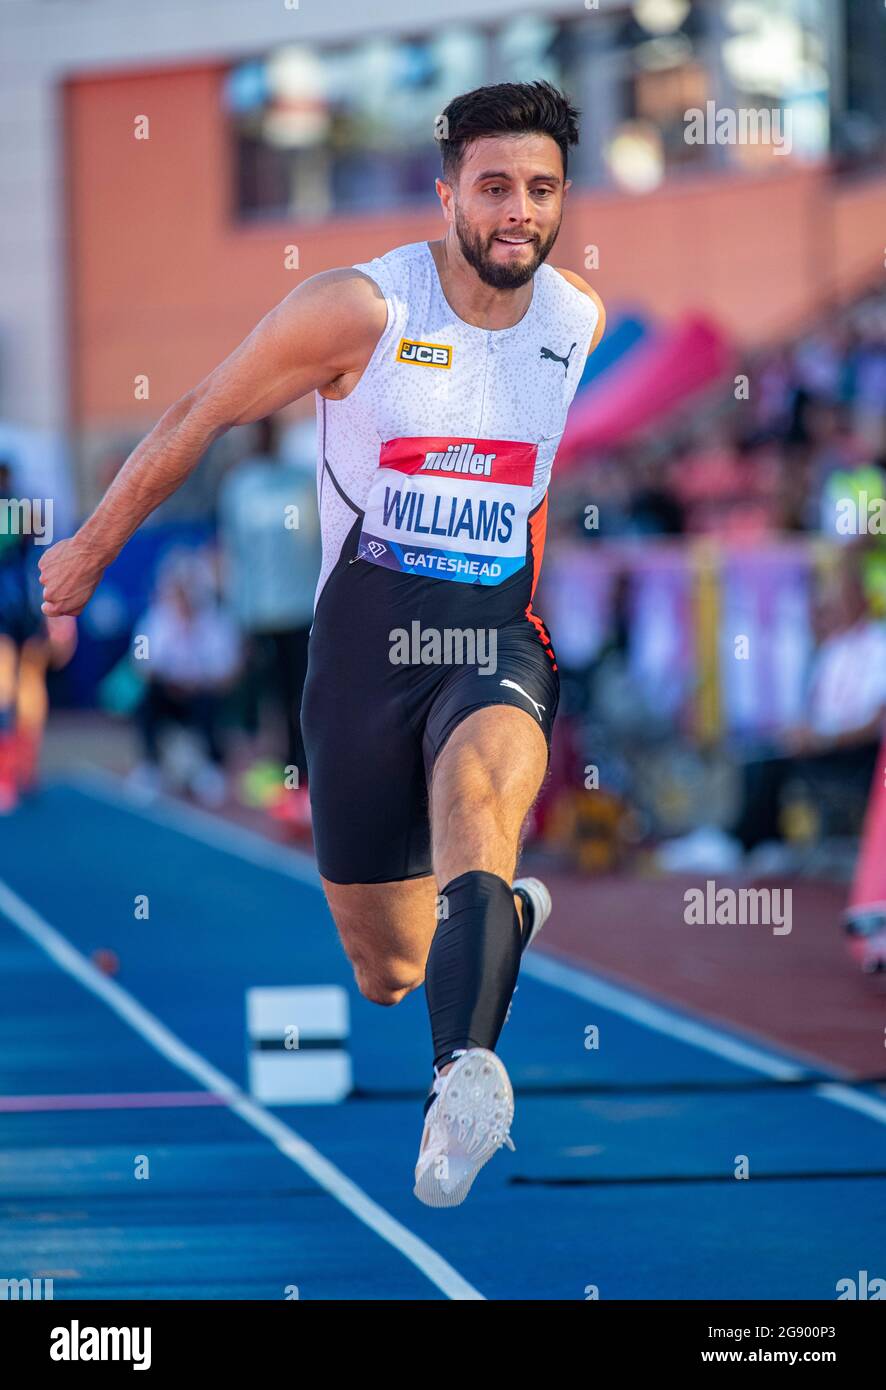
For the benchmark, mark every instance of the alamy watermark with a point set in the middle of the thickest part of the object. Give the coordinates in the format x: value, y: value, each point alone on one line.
x: 27, y: 516
x: 748, y: 125
x: 863, y: 1287
x: 77, y: 1343
x: 860, y: 516
x: 447, y: 646
x: 730, y: 907
x: 36, y: 1290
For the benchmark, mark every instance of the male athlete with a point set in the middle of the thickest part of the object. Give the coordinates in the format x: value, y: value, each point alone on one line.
x: 443, y: 372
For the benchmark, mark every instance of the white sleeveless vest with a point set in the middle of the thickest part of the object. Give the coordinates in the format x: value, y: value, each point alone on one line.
x: 447, y: 441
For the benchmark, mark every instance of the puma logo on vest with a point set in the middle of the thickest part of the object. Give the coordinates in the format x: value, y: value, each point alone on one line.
x: 555, y: 357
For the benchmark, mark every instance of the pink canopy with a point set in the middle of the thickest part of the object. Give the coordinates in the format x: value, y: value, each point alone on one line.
x: 658, y: 376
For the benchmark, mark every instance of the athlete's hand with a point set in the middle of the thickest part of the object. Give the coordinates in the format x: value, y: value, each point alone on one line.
x: 70, y: 572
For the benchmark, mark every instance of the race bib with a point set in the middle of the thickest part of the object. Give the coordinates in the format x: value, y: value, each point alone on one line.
x: 450, y: 508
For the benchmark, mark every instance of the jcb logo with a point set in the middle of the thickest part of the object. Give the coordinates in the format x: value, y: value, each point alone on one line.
x: 424, y: 354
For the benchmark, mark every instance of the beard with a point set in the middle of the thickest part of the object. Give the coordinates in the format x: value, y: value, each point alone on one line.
x: 477, y: 251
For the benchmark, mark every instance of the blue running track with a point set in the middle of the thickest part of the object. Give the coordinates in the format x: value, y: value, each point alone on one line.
x: 623, y: 1180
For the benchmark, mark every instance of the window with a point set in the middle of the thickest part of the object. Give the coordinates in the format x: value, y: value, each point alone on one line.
x: 344, y: 130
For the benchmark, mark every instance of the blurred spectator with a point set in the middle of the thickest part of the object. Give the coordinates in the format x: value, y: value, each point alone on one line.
x: 28, y: 644
x: 867, y: 377
x: 656, y: 509
x: 816, y: 411
x: 845, y: 713
x: 191, y: 657
x: 802, y: 451
x: 771, y: 402
x: 837, y: 744
x: 269, y: 531
x: 836, y: 453
x: 726, y: 490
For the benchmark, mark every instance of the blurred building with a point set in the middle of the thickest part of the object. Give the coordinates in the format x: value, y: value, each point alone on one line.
x: 170, y: 171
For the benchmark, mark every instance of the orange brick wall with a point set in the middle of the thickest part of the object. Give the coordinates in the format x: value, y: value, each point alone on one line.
x: 164, y: 282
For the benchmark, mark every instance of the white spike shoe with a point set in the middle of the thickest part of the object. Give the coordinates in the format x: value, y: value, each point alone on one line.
x: 539, y: 899
x: 467, y: 1124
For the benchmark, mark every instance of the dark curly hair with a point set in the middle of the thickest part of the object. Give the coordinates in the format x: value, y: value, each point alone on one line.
x: 507, y: 108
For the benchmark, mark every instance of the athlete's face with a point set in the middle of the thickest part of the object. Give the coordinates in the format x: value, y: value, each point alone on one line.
x: 507, y: 206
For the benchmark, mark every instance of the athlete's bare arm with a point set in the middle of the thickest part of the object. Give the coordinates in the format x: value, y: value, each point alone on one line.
x: 320, y: 337
x: 585, y: 288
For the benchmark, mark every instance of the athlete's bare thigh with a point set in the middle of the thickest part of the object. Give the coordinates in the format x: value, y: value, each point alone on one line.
x: 484, y: 782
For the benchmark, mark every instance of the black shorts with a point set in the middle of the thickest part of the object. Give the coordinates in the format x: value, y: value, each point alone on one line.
x: 379, y: 703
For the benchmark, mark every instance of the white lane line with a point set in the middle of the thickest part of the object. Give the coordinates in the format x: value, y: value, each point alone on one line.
x: 573, y: 979
x: 432, y: 1265
x: 579, y: 981
x: 199, y: 825
x: 854, y: 1100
